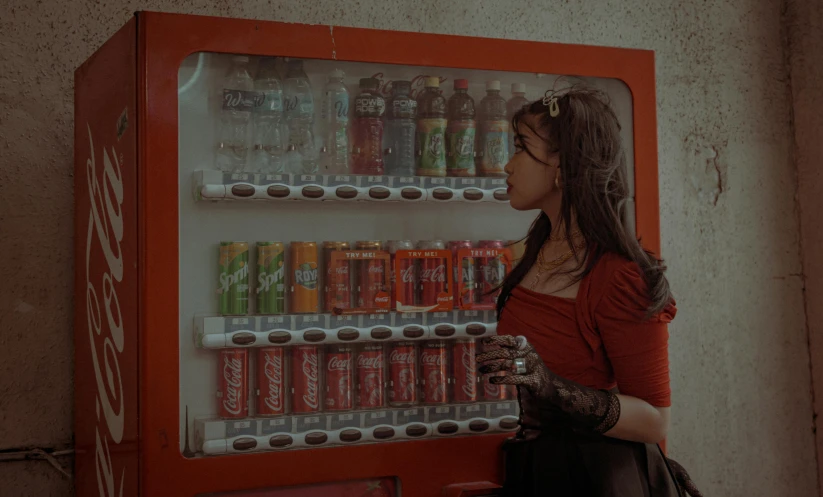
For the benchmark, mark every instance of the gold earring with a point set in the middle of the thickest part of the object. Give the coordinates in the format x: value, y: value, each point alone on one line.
x: 557, y: 182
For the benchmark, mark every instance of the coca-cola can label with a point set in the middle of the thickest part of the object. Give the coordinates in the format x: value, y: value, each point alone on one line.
x: 371, y: 377
x: 305, y: 366
x: 371, y: 282
x: 492, y: 392
x: 434, y: 360
x: 233, y: 381
x: 339, y: 378
x: 271, y: 381
x: 403, y: 368
x: 465, y: 370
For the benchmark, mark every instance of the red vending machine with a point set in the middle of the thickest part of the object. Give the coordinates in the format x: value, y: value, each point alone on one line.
x: 288, y: 239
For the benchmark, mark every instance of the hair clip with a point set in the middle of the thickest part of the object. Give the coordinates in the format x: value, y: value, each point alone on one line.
x: 551, y: 103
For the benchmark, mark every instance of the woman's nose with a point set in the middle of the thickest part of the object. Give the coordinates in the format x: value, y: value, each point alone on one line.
x: 508, y: 168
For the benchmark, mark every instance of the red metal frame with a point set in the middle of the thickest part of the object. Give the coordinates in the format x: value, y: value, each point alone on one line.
x: 424, y: 467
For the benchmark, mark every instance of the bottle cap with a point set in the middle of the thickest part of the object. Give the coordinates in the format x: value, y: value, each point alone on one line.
x: 493, y: 85
x: 337, y: 74
x: 240, y: 58
x: 432, y: 82
x: 369, y: 83
x: 518, y: 87
x: 461, y: 84
x: 401, y: 87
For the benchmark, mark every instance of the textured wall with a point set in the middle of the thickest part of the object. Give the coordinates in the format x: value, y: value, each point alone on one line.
x: 742, y: 418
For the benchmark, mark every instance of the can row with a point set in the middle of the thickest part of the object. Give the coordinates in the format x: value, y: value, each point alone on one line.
x: 308, y: 378
x: 334, y: 284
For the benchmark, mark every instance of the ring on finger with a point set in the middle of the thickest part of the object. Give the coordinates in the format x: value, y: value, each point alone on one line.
x: 520, y: 366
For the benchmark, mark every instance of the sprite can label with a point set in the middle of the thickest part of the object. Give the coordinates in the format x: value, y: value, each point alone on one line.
x: 431, y: 135
x: 234, y: 278
x: 271, y: 278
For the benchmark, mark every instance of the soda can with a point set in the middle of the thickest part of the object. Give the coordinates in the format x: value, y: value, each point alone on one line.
x: 305, y: 377
x: 403, y: 370
x: 432, y: 274
x: 233, y: 384
x: 372, y: 275
x: 234, y: 278
x: 303, y: 266
x: 463, y: 271
x: 338, y: 372
x: 406, y: 273
x: 271, y: 278
x: 465, y: 370
x: 434, y: 359
x: 491, y: 272
x: 492, y: 392
x: 271, y: 381
x: 337, y: 291
x: 371, y: 377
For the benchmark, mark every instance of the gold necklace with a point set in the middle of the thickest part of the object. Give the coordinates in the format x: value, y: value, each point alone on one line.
x: 543, y: 266
x: 560, y: 236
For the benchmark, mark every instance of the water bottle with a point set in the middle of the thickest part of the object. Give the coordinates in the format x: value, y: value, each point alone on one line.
x: 237, y: 100
x: 335, y: 118
x: 299, y: 110
x: 517, y: 102
x: 401, y: 115
x: 367, y: 149
x: 294, y: 161
x: 268, y: 138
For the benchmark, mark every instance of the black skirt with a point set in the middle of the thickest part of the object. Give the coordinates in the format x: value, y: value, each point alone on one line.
x: 561, y: 462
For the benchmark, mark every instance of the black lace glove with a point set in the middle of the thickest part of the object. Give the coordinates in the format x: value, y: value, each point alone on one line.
x: 683, y: 479
x: 587, y: 408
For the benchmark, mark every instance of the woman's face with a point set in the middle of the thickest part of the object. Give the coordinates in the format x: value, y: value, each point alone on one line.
x: 531, y: 182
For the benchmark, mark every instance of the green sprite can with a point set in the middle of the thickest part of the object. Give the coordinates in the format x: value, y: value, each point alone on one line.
x: 271, y: 278
x: 234, y: 278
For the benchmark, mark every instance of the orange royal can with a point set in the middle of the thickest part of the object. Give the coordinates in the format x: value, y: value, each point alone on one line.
x: 305, y: 287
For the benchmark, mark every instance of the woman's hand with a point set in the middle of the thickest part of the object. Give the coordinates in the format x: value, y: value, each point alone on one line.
x: 588, y: 408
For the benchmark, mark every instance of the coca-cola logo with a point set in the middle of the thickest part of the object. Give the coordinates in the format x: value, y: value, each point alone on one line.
x: 398, y: 357
x: 233, y: 376
x: 310, y: 367
x: 381, y: 300
x: 106, y: 225
x: 436, y: 274
x: 273, y: 369
x: 470, y: 367
x: 369, y: 361
x: 431, y: 359
x: 407, y: 274
x: 337, y: 363
x: 376, y: 268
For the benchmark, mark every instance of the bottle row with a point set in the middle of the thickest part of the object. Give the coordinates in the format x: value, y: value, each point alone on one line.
x: 366, y: 277
x: 215, y: 436
x: 306, y: 379
x: 425, y: 134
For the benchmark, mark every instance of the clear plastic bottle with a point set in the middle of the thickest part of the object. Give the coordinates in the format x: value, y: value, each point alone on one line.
x: 431, y: 130
x: 267, y: 151
x: 461, y: 131
x: 299, y: 109
x: 237, y: 100
x: 514, y: 104
x: 493, y: 132
x: 293, y: 161
x: 401, y: 113
x: 335, y: 118
x: 367, y: 146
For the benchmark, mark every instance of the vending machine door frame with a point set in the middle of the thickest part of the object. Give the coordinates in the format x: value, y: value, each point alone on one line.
x: 164, y: 40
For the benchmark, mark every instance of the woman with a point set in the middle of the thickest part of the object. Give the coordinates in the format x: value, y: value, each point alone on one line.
x: 590, y: 308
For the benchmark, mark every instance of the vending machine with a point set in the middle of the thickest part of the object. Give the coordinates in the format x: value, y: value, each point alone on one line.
x: 289, y: 240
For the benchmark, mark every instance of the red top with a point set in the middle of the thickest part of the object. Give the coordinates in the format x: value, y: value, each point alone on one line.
x: 599, y: 340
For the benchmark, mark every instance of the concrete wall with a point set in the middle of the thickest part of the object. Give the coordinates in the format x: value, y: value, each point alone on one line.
x: 742, y: 421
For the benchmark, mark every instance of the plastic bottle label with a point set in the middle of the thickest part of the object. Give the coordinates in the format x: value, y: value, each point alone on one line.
x: 341, y: 107
x: 241, y: 100
x: 495, y: 143
x: 271, y: 101
x: 300, y: 104
x: 431, y: 135
x: 460, y: 140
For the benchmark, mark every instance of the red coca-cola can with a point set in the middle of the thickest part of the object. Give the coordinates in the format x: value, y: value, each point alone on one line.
x: 463, y: 275
x: 491, y: 272
x: 233, y: 381
x: 464, y: 363
x: 337, y: 290
x: 492, y: 392
x: 403, y: 272
x: 434, y: 359
x: 371, y: 377
x: 432, y: 275
x: 339, y: 369
x: 305, y: 377
x: 372, y: 275
x: 403, y: 370
x: 271, y: 381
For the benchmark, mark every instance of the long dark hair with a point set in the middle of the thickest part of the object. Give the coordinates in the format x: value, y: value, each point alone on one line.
x: 585, y: 133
